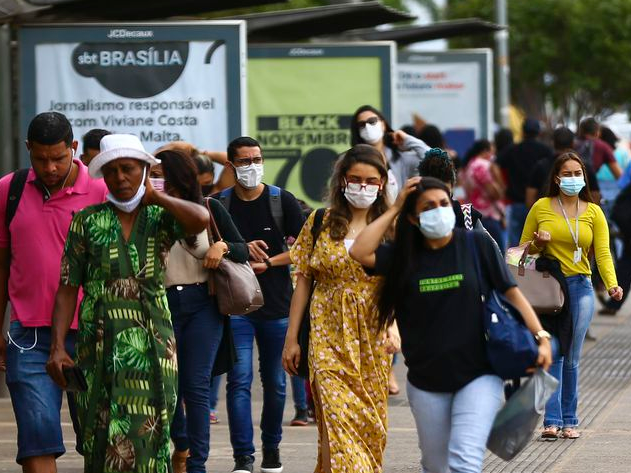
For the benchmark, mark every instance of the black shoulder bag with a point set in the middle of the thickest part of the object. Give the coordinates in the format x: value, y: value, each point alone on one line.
x: 305, y: 325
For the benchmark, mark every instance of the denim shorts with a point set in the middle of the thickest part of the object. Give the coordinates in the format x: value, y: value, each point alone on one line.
x: 35, y: 397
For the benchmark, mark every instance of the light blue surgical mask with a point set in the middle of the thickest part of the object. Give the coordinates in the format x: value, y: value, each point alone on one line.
x: 572, y: 186
x: 437, y: 223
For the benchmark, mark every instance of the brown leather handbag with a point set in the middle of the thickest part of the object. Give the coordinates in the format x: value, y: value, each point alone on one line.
x: 233, y: 284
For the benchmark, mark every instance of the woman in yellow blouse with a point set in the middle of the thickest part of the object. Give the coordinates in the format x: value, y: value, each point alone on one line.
x: 349, y: 354
x: 564, y: 226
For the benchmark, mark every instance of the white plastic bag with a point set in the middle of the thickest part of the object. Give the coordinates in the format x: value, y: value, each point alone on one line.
x: 517, y: 420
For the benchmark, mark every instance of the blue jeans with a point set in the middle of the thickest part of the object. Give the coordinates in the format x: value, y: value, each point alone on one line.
x: 198, y: 328
x: 270, y: 339
x: 517, y: 213
x: 36, y: 399
x: 214, y: 392
x: 298, y: 392
x: 453, y: 427
x: 561, y: 408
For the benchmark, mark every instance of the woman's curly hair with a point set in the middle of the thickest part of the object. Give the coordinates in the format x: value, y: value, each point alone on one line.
x: 438, y: 164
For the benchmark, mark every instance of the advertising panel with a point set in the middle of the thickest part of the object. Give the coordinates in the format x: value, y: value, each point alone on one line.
x: 449, y: 89
x: 161, y: 82
x: 300, y: 103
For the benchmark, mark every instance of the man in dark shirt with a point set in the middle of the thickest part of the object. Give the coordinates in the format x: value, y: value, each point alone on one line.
x: 540, y: 178
x: 594, y: 151
x: 517, y: 161
x: 91, y: 144
x: 254, y: 207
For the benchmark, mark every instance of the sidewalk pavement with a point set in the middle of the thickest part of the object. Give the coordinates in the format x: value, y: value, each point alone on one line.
x: 605, y: 409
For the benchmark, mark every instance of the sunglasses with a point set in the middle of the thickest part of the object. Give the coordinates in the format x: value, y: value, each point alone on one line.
x: 370, y: 121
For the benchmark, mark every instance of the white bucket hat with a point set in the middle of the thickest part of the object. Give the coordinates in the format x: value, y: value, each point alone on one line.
x: 119, y: 146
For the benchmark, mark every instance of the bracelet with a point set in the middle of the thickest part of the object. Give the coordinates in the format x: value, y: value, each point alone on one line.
x: 268, y: 263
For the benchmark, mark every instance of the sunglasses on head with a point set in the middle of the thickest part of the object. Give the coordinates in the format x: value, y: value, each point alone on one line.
x: 370, y: 121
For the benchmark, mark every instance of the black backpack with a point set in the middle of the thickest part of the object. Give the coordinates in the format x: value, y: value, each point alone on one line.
x: 621, y: 211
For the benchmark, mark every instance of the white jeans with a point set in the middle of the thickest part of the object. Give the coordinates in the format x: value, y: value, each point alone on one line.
x: 453, y: 427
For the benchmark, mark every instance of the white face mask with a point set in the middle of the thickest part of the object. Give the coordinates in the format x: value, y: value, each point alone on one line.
x: 361, y: 197
x: 437, y: 223
x: 372, y: 133
x: 250, y: 176
x: 130, y: 205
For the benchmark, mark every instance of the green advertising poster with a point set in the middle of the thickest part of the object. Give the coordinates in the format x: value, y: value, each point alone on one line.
x: 300, y: 104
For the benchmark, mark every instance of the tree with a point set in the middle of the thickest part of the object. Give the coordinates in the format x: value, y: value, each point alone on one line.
x: 572, y: 54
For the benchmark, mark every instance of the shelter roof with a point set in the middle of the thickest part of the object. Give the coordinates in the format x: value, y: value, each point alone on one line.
x: 303, y: 23
x: 115, y: 10
x: 405, y: 35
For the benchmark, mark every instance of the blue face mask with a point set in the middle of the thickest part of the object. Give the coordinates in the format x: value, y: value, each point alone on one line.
x: 572, y: 186
x: 437, y: 223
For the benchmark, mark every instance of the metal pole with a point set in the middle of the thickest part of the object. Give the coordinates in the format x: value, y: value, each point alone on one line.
x: 503, y: 66
x: 6, y: 107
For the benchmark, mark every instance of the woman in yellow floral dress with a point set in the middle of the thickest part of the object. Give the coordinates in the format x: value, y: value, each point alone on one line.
x: 349, y: 357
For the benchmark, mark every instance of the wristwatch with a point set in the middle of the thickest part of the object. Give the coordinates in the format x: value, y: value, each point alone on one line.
x: 542, y: 334
x: 268, y: 263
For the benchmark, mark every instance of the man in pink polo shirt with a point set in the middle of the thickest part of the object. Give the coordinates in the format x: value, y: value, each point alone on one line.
x: 57, y: 186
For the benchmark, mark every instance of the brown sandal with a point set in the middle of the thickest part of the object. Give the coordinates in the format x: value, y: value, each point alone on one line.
x: 570, y: 433
x: 550, y: 433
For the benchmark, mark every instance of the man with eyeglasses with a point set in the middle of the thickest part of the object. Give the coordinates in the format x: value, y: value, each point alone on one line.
x: 266, y: 217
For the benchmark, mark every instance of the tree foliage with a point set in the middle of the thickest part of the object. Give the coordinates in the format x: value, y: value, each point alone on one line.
x: 572, y: 54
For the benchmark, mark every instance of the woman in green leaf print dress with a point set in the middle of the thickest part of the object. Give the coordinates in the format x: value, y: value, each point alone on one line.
x: 125, y: 347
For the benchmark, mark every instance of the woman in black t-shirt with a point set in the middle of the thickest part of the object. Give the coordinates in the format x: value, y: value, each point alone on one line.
x: 431, y: 288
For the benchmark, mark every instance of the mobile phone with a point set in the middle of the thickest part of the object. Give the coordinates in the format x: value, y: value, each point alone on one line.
x: 75, y: 379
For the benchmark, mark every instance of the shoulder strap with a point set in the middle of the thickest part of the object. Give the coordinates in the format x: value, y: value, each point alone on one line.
x: 225, y: 197
x: 317, y: 225
x: 276, y: 206
x: 468, y: 218
x: 16, y: 187
x: 473, y: 248
x: 212, y: 230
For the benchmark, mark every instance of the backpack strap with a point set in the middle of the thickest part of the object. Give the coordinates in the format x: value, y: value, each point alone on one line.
x: 468, y: 218
x: 225, y: 197
x: 472, y: 246
x: 276, y: 206
x: 16, y: 187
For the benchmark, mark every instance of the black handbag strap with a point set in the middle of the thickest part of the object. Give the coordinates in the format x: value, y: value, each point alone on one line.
x: 316, y: 229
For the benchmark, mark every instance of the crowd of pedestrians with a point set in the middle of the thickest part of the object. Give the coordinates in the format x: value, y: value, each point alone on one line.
x: 128, y: 246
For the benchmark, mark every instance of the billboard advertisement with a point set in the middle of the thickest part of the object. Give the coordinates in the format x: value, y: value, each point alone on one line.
x: 449, y: 89
x: 161, y: 82
x: 300, y: 102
